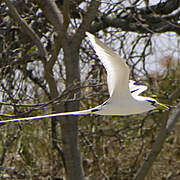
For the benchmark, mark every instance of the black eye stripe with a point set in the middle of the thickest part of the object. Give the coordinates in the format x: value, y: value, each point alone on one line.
x: 134, y: 90
x: 152, y: 102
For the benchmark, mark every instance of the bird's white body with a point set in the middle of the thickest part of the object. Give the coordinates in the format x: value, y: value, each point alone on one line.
x: 127, y: 106
x: 124, y: 93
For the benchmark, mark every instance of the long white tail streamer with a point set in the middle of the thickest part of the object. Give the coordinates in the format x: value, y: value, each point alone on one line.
x: 85, y: 112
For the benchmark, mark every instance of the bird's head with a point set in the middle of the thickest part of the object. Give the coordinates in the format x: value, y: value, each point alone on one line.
x: 157, y: 105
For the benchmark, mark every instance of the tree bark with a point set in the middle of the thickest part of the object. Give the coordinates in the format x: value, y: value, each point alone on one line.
x: 69, y: 125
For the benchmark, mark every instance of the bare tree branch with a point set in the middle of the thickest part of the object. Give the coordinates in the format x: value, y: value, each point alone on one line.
x: 90, y: 15
x: 144, y: 20
x: 26, y: 28
x: 52, y: 13
x: 55, y: 17
x: 160, y: 140
x: 166, y: 7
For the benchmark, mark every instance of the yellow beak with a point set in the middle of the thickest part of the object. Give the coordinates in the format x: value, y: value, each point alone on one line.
x: 161, y: 106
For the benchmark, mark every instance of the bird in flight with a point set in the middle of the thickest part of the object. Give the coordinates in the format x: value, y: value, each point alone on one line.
x: 124, y: 98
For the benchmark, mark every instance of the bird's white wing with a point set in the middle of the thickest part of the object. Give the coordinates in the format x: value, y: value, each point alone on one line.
x: 117, y: 69
x: 136, y: 89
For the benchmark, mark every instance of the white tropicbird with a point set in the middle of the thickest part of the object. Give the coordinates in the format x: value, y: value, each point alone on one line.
x: 124, y: 93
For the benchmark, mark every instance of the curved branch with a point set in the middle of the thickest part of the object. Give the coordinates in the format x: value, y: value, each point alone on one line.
x: 55, y: 17
x: 157, y: 146
x: 87, y: 19
x: 52, y: 13
x: 26, y: 28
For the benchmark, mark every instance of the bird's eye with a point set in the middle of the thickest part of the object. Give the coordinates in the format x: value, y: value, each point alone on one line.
x: 152, y: 101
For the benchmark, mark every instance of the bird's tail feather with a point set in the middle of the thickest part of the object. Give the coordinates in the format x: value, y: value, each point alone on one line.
x: 84, y: 112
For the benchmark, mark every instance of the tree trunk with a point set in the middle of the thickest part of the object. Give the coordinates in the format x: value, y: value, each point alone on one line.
x: 69, y: 125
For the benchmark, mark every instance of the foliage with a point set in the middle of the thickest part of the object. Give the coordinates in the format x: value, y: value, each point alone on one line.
x: 112, y: 148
